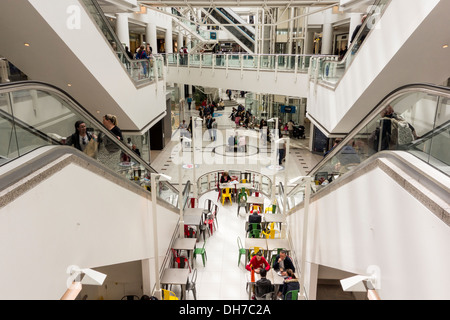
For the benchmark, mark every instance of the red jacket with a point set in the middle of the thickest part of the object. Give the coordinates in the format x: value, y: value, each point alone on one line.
x: 262, y: 263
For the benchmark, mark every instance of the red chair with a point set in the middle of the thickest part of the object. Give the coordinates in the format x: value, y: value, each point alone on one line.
x: 180, y: 260
x: 210, y: 221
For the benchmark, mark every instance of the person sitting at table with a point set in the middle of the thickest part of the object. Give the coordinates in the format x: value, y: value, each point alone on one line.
x: 282, y: 262
x: 254, y: 218
x: 257, y: 263
x: 263, y: 285
x: 225, y: 178
x: 290, y: 283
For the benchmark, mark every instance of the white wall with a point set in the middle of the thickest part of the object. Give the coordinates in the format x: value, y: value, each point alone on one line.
x: 283, y: 83
x: 405, y: 47
x: 374, y: 221
x: 73, y: 217
x: 81, y: 56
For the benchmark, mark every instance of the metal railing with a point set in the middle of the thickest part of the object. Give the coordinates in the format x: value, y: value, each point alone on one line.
x: 35, y: 114
x: 420, y: 127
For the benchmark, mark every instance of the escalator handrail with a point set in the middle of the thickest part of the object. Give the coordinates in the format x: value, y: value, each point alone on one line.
x: 39, y: 85
x: 419, y: 87
x: 244, y: 29
x: 114, y: 35
x: 350, y: 49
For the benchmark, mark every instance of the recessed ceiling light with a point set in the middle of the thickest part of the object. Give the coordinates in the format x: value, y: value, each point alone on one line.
x: 445, y: 46
x: 69, y: 84
x: 26, y: 44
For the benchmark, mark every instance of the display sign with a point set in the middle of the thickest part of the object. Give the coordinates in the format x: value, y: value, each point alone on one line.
x: 287, y: 109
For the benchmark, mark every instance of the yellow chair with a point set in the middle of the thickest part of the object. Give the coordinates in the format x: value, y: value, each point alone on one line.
x: 268, y: 209
x: 253, y: 251
x: 270, y: 232
x: 168, y: 295
x: 226, y: 194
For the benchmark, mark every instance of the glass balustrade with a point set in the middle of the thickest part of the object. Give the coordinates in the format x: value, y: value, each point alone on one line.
x: 415, y: 119
x: 139, y: 70
x: 33, y: 115
x: 254, y: 62
x: 331, y: 69
x: 210, y: 181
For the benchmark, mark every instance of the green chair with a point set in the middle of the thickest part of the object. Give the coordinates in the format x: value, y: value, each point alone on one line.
x: 242, y: 194
x: 241, y: 250
x: 201, y: 251
x: 255, y: 231
x: 291, y: 295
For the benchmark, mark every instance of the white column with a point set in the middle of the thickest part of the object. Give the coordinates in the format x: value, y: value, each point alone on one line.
x: 168, y: 39
x: 355, y: 20
x: 180, y: 40
x: 122, y: 30
x: 150, y: 36
x: 327, y: 34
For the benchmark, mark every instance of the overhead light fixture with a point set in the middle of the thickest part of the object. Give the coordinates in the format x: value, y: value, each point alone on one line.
x: 26, y: 44
x: 69, y: 84
x: 445, y: 46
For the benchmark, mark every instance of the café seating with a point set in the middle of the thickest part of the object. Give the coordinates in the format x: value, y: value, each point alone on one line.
x: 226, y: 193
x: 267, y: 296
x: 209, y: 221
x: 255, y: 230
x: 270, y: 232
x: 253, y: 251
x: 190, y: 285
x: 242, y: 194
x: 168, y: 295
x: 180, y: 260
x: 241, y: 250
x: 291, y: 295
x: 202, y: 252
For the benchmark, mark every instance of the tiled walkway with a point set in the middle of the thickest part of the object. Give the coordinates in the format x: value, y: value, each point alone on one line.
x: 222, y: 278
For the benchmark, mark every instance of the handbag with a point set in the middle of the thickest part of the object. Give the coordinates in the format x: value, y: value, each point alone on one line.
x: 91, y: 148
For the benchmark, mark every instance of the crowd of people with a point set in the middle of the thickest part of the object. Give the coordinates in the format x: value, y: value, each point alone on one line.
x: 283, y: 265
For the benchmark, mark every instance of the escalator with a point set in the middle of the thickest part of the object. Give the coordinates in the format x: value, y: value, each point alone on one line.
x: 35, y: 115
x: 378, y: 203
x: 414, y: 119
x: 243, y: 35
x: 73, y: 46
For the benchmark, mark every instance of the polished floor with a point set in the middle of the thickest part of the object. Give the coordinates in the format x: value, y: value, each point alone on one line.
x: 222, y: 278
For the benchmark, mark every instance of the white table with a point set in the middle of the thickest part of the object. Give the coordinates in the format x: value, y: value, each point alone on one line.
x: 251, y: 200
x: 177, y: 277
x: 254, y: 242
x: 194, y: 217
x: 187, y: 244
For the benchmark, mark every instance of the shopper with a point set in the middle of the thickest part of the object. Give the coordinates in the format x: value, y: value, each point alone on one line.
x: 257, y: 263
x: 282, y: 262
x: 81, y: 137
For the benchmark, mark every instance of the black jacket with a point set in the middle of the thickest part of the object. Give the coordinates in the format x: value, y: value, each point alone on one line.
x: 287, y: 264
x: 263, y: 286
x: 289, y: 285
x: 74, y: 140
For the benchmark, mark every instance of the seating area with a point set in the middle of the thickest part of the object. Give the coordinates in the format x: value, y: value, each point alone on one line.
x: 210, y: 269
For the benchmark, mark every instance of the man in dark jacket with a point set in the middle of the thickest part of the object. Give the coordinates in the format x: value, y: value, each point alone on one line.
x: 254, y: 218
x: 283, y: 262
x: 263, y: 285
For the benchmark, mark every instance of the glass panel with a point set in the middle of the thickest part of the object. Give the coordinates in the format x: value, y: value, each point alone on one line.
x: 415, y: 122
x: 38, y: 118
x: 139, y: 70
x: 332, y: 70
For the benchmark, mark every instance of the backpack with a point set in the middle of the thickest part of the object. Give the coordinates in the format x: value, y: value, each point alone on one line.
x: 401, y: 133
